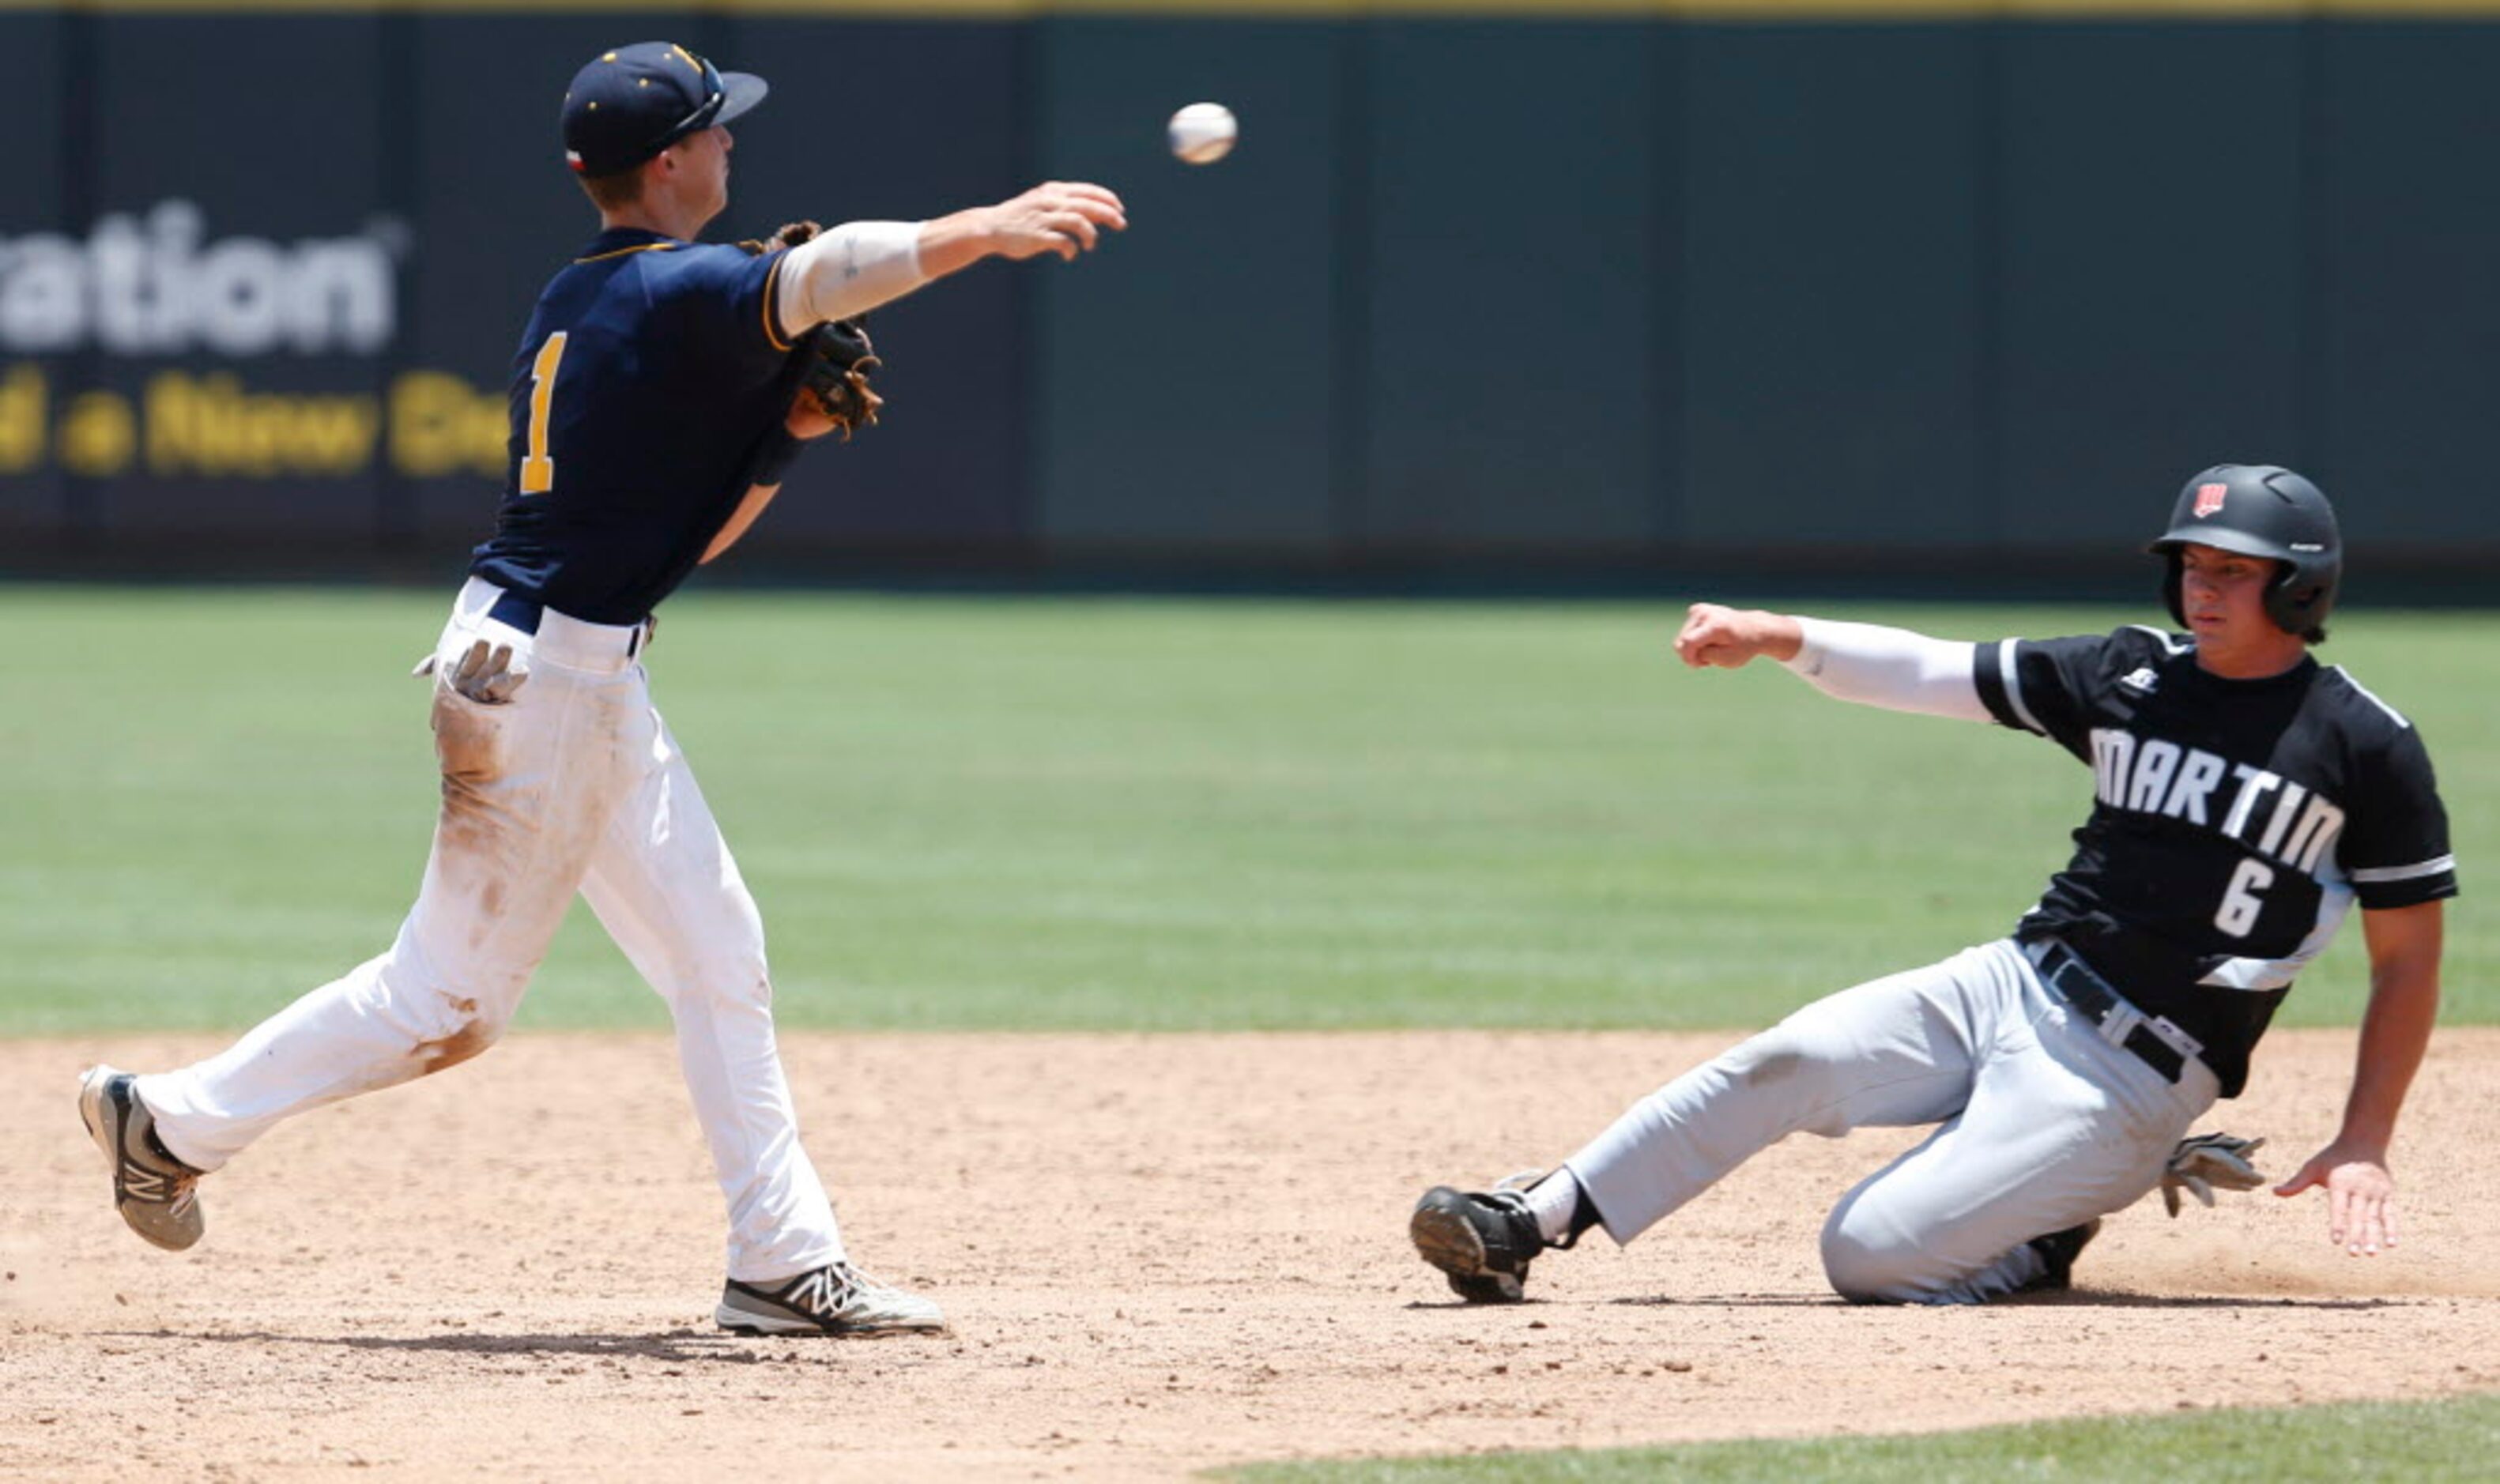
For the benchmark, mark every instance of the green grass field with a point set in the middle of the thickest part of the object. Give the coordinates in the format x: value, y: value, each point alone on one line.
x: 1054, y: 814
x: 1035, y: 813
x: 2415, y: 1442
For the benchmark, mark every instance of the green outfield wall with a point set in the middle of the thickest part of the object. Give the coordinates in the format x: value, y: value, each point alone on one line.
x: 1608, y: 287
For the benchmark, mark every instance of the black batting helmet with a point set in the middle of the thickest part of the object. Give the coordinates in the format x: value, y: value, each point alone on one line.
x: 2265, y: 511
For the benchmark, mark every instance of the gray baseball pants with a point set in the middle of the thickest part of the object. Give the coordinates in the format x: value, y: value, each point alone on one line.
x: 2043, y: 1125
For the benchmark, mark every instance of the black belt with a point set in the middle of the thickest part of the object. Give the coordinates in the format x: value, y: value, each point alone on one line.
x: 2154, y: 1040
x: 514, y: 611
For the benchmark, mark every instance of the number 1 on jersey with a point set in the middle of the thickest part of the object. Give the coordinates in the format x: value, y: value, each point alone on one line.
x: 537, y: 469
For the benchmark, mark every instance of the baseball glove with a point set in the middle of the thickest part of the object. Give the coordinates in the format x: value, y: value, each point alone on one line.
x: 840, y: 361
x: 789, y: 234
x: 839, y: 355
x: 2208, y: 1160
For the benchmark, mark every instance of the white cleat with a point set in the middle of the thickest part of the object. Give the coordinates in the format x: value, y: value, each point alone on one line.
x: 156, y: 1194
x: 833, y: 1300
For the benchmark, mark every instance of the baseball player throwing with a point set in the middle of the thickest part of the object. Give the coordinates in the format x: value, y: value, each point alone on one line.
x: 2244, y: 798
x: 661, y: 390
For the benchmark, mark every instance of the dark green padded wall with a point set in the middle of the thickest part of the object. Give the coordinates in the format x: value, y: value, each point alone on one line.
x: 1185, y: 384
x: 1832, y: 286
x: 1650, y: 289
x: 1512, y: 274
x: 2152, y: 246
x: 2407, y: 359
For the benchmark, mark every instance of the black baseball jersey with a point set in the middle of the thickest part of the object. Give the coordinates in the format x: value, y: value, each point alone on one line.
x: 650, y: 375
x: 2234, y: 822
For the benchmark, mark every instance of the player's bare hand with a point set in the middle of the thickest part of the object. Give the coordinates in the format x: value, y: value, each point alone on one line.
x: 1728, y: 637
x: 2360, y: 1198
x: 1062, y: 217
x: 807, y: 420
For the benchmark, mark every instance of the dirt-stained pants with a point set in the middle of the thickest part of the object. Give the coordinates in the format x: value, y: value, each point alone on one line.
x: 575, y: 784
x: 2045, y: 1125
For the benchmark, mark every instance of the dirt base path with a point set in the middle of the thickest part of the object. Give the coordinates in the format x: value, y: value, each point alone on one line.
x: 1161, y: 1254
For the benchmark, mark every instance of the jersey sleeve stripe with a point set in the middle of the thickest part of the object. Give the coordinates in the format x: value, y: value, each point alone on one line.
x: 2405, y: 873
x: 773, y: 302
x: 2012, y: 679
x: 600, y: 257
x: 2394, y: 715
x: 2169, y: 645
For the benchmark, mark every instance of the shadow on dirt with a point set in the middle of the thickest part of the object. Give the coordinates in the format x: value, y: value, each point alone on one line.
x: 676, y: 1346
x: 2081, y: 1299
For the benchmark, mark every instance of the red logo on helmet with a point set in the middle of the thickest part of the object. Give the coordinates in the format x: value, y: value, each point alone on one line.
x: 2209, y: 499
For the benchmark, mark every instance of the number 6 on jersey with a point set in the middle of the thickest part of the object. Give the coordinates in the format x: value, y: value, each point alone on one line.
x: 2240, y: 904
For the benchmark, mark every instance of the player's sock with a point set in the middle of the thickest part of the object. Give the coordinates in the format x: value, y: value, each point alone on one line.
x: 1561, y: 1209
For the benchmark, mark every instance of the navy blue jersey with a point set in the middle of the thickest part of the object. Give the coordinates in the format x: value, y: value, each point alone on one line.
x: 2234, y: 822
x: 652, y: 372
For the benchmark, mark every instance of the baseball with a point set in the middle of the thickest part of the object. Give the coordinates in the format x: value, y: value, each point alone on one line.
x: 1202, y: 133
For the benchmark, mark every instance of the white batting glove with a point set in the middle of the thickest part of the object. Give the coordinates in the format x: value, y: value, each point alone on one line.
x: 486, y: 677
x: 2208, y: 1160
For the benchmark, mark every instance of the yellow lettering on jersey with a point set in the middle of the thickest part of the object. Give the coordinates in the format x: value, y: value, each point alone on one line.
x: 537, y: 469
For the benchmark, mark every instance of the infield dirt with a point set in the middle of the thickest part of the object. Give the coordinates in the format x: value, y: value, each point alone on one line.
x: 1161, y: 1254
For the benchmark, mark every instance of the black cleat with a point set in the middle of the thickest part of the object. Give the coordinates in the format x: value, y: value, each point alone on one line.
x: 2058, y: 1253
x: 1482, y: 1239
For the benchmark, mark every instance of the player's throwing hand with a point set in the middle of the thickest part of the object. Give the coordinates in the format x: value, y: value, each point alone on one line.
x: 1062, y: 217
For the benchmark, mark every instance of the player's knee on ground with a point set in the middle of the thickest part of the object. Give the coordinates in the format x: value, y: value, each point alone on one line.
x: 1862, y: 1272
x: 1869, y: 1261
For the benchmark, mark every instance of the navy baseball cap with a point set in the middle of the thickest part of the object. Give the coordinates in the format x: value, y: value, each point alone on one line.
x: 636, y: 101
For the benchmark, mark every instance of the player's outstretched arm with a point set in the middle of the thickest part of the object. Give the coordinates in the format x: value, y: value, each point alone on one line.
x: 853, y: 268
x: 2403, y: 945
x: 859, y: 265
x: 1866, y: 663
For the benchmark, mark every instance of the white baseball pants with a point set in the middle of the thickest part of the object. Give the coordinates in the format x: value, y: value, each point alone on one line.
x: 575, y: 784
x: 2044, y: 1125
